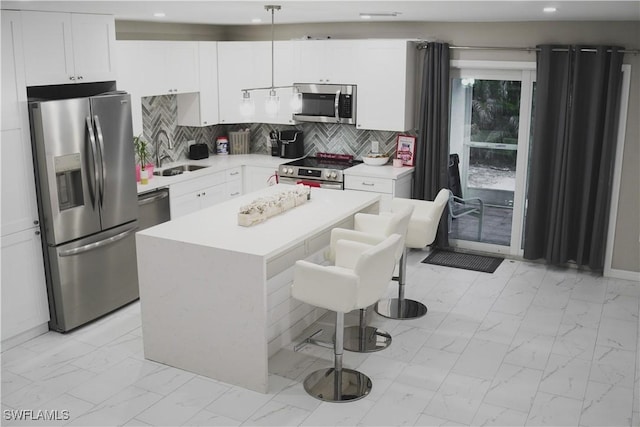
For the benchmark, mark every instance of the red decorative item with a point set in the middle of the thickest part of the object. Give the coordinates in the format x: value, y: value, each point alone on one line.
x: 406, y: 149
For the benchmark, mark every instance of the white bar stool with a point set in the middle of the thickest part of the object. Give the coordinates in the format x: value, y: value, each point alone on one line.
x: 358, y: 279
x: 370, y: 229
x: 423, y: 226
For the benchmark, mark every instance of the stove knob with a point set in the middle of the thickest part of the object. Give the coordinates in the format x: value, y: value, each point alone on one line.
x: 334, y: 175
x: 290, y: 170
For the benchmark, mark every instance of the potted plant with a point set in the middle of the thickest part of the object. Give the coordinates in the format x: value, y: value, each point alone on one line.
x: 142, y: 153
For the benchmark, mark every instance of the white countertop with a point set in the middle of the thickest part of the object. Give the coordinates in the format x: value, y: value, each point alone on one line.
x: 218, y: 227
x: 215, y: 163
x: 386, y: 171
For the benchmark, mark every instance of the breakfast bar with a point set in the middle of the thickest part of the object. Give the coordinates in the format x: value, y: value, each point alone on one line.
x: 215, y: 296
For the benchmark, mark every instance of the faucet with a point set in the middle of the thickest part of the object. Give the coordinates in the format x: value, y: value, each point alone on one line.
x: 156, y: 143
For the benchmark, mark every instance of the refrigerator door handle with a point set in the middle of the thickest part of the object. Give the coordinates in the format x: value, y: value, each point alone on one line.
x: 104, y: 166
x: 99, y: 244
x: 94, y: 153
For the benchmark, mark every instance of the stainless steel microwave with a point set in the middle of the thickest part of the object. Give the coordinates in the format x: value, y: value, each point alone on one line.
x: 327, y: 103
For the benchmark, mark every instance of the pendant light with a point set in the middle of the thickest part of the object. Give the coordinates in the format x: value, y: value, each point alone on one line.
x: 272, y: 105
x: 272, y: 101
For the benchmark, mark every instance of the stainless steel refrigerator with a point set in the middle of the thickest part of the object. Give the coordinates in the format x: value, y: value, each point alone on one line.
x: 87, y: 203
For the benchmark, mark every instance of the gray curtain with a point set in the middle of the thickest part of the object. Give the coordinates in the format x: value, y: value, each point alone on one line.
x: 432, y: 147
x: 573, y: 150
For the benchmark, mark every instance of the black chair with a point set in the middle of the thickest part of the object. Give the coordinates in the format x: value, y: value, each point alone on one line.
x: 458, y: 206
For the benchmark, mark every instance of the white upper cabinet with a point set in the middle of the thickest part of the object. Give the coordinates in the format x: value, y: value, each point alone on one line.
x: 236, y: 71
x: 386, y: 85
x: 244, y: 65
x: 150, y: 68
x: 181, y: 66
x: 325, y: 61
x: 62, y: 48
x: 166, y: 67
x: 14, y: 95
x: 201, y: 109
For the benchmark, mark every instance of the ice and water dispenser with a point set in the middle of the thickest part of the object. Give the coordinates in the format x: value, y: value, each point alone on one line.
x: 69, y: 180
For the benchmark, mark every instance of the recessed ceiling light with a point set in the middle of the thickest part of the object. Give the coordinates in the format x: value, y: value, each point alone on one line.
x: 256, y: 20
x: 159, y: 14
x: 549, y: 9
x: 380, y: 14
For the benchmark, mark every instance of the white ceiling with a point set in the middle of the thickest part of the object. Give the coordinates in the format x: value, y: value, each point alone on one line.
x: 240, y: 12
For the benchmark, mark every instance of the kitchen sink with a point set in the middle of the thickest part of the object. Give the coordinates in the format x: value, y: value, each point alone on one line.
x: 177, y: 170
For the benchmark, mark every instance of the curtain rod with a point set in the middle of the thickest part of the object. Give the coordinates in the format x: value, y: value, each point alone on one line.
x: 526, y: 49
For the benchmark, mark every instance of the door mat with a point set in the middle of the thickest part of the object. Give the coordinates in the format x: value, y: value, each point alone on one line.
x: 485, y: 264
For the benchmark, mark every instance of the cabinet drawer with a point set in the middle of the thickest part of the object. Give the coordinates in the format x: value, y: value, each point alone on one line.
x: 376, y: 185
x: 234, y: 188
x: 197, y: 184
x: 234, y: 174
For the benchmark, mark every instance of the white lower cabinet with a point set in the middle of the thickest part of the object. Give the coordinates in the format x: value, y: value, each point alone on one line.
x: 234, y: 182
x: 258, y: 177
x: 190, y: 196
x: 24, y: 293
x: 388, y: 188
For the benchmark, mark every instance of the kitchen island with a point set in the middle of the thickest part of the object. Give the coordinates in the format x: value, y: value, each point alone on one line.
x: 215, y: 296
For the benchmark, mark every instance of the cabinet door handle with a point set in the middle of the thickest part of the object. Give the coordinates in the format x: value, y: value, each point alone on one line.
x: 205, y: 123
x: 80, y: 77
x: 368, y: 184
x: 36, y: 222
x: 204, y: 194
x: 235, y: 194
x: 72, y: 78
x: 37, y: 232
x: 234, y: 173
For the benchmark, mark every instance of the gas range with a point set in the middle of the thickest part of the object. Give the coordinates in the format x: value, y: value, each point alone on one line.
x: 324, y: 170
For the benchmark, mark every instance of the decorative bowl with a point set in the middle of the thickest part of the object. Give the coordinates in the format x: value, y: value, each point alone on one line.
x: 375, y: 159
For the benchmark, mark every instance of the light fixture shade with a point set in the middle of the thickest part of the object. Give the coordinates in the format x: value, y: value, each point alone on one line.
x: 272, y: 103
x: 296, y: 101
x: 468, y: 82
x: 247, y: 106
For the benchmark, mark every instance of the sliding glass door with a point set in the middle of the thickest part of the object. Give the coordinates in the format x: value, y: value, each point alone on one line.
x: 489, y: 150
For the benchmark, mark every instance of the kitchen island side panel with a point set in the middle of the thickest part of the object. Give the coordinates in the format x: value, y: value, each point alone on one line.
x: 204, y: 310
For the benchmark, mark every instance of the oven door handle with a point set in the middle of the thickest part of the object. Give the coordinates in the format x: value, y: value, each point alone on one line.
x: 315, y: 184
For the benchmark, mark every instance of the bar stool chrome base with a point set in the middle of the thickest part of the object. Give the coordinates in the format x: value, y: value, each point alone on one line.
x: 330, y: 385
x: 401, y: 308
x: 396, y: 308
x: 374, y: 339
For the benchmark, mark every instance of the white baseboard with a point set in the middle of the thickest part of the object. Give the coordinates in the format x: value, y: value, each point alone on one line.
x: 25, y: 336
x: 622, y: 274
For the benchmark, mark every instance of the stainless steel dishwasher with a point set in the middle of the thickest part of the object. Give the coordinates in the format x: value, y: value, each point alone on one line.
x: 153, y: 208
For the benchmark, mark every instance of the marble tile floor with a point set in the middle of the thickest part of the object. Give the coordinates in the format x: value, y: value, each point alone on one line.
x: 526, y: 345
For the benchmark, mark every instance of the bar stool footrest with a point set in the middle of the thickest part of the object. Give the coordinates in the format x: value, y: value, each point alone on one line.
x: 330, y: 386
x: 374, y: 339
x: 395, y: 308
